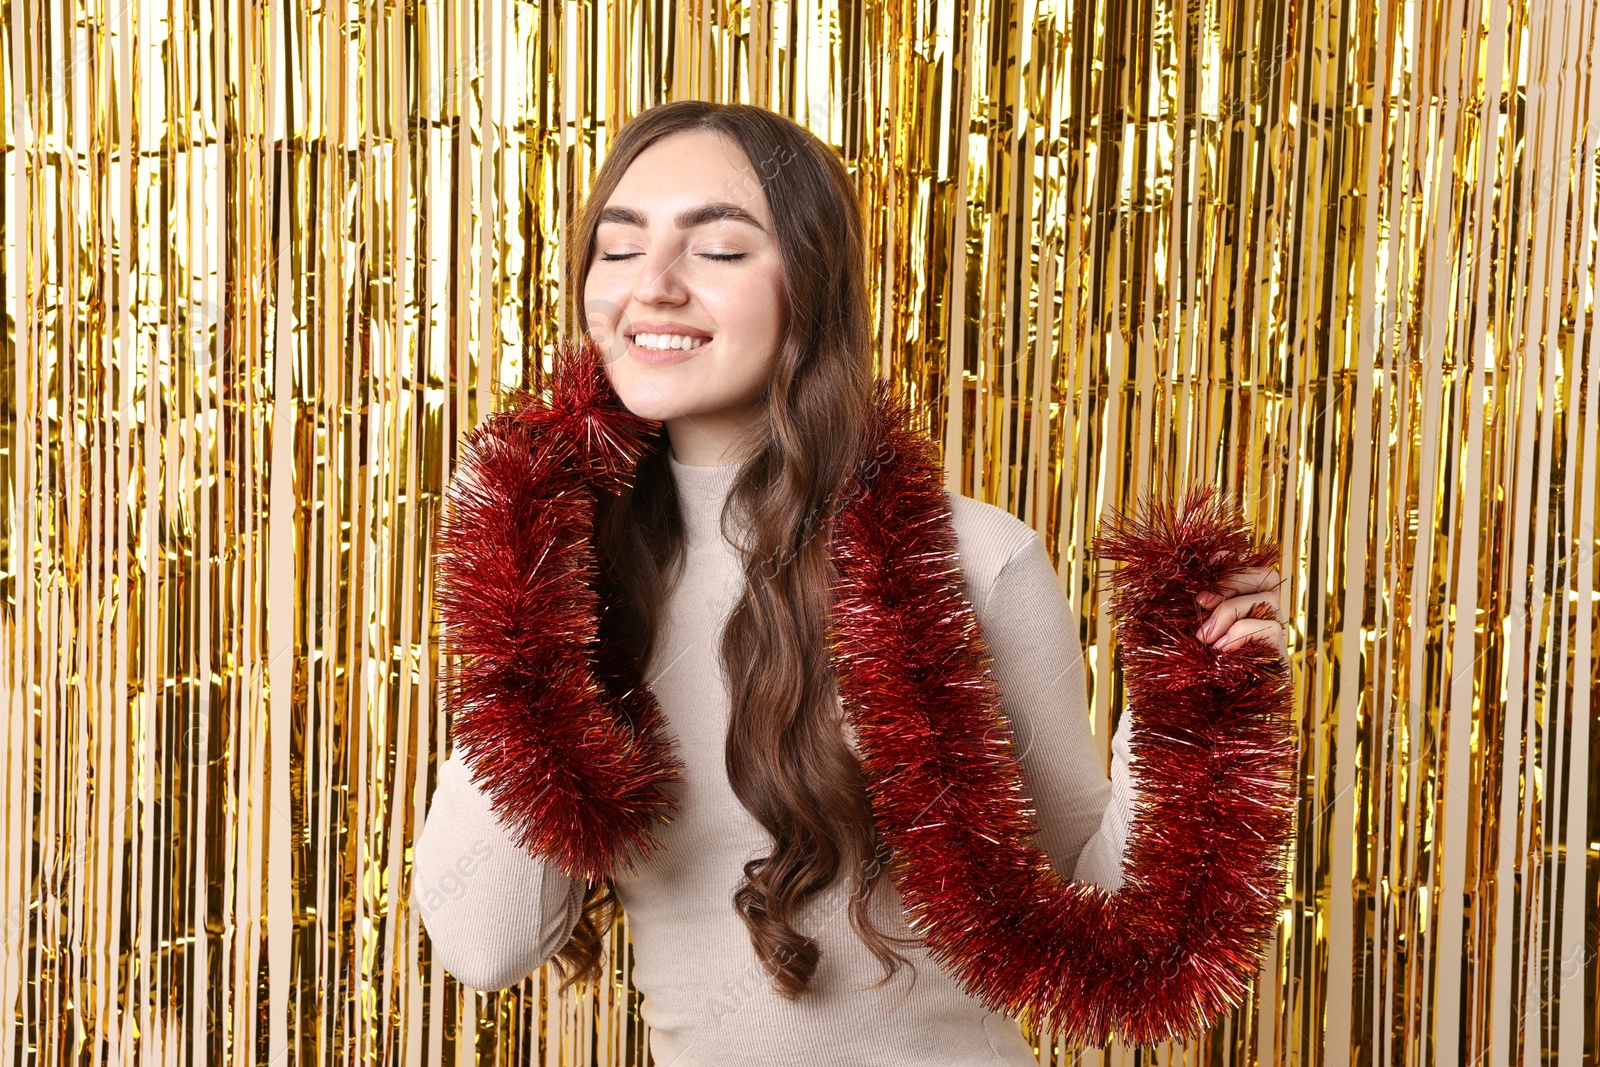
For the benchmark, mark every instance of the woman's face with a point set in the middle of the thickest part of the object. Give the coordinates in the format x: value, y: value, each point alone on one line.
x: 685, y: 254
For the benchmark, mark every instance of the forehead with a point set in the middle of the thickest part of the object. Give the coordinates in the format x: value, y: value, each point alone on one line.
x: 692, y: 178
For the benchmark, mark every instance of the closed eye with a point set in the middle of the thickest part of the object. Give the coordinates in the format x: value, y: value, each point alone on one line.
x: 719, y: 257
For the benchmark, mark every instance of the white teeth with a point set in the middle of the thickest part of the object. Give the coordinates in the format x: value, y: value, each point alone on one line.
x: 665, y: 341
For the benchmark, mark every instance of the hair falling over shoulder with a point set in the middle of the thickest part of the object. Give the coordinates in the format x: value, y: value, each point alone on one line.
x: 786, y: 755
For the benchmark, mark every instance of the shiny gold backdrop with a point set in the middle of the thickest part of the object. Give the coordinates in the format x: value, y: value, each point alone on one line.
x: 264, y: 265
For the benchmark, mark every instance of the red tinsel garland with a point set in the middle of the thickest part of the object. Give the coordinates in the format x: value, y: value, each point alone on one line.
x: 564, y: 736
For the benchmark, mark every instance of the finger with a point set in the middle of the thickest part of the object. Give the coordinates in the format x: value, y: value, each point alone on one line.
x: 1261, y: 631
x: 1231, y: 611
x: 1224, y: 615
x: 1245, y: 580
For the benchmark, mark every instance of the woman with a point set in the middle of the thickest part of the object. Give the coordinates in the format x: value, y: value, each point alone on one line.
x: 720, y: 260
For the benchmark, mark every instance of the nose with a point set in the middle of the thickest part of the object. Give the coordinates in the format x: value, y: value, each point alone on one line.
x: 658, y: 280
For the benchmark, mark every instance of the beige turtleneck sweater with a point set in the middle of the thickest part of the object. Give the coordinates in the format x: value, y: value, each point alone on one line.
x: 494, y: 914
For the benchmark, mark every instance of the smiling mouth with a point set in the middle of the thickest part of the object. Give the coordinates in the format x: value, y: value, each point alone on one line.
x: 667, y: 342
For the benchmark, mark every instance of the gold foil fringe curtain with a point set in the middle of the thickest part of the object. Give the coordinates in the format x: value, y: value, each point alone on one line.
x: 264, y: 264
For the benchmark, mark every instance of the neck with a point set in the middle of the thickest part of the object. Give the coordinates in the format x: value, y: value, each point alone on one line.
x: 713, y: 440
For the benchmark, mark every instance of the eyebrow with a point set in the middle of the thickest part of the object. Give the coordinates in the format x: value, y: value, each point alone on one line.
x: 715, y: 211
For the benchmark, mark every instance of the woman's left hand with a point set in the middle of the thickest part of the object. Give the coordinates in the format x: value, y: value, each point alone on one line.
x: 1230, y: 624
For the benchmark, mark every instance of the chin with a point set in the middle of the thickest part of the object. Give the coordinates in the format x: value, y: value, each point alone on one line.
x: 664, y: 397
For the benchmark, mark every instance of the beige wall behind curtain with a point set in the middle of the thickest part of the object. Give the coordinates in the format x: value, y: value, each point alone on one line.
x: 264, y: 264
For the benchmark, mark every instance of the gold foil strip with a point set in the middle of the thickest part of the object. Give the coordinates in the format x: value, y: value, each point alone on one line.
x: 263, y: 266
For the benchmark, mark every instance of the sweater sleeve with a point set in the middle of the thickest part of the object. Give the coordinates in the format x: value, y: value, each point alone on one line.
x: 494, y: 913
x: 1101, y: 859
x: 1032, y: 632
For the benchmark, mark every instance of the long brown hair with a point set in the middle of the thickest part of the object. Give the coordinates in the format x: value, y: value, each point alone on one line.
x: 786, y: 755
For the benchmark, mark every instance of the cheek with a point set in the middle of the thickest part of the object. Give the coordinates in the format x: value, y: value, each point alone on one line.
x: 759, y: 308
x: 601, y: 303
